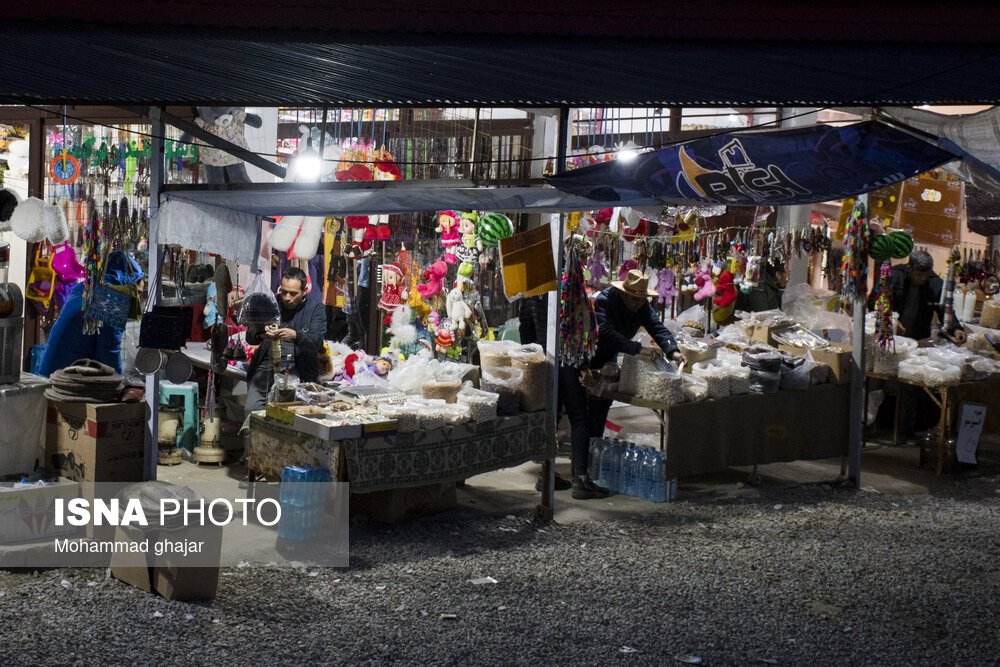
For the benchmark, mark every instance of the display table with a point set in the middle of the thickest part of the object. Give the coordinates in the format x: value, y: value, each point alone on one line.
x: 201, y: 357
x: 950, y: 399
x: 751, y: 429
x: 419, y: 458
x: 22, y: 413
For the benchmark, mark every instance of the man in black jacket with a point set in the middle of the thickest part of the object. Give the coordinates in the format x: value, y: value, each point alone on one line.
x: 621, y: 310
x: 300, y: 332
x: 916, y: 296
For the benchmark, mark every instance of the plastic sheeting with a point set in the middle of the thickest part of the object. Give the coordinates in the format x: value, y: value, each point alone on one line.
x: 229, y: 232
x: 22, y: 413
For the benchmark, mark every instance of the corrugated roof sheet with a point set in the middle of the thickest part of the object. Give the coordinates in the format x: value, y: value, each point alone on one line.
x: 123, y: 65
x: 855, y: 20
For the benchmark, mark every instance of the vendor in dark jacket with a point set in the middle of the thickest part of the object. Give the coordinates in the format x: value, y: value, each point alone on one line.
x: 621, y: 310
x: 767, y: 294
x: 301, y: 330
x: 916, y: 296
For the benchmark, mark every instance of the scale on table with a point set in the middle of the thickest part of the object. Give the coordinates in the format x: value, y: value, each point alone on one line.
x: 11, y: 322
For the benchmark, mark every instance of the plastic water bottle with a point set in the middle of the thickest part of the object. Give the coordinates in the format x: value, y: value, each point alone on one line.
x: 594, y: 458
x: 607, y: 462
x: 614, y: 467
x: 637, y: 471
x: 658, y: 485
x: 625, y: 471
x: 648, y: 474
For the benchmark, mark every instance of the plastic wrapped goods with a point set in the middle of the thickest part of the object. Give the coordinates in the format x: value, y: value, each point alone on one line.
x: 506, y: 383
x: 482, y: 404
x: 695, y: 388
x: 762, y: 358
x: 912, y: 369
x: 716, y: 375
x: 495, y: 353
x: 456, y: 414
x: 406, y: 416
x: 446, y: 389
x: 666, y: 386
x: 536, y: 379
x: 764, y: 382
x: 798, y: 378
x: 940, y: 374
x: 739, y: 379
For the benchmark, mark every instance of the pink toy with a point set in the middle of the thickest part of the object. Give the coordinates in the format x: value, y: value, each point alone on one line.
x: 706, y: 288
x: 665, y: 287
x: 434, y: 279
x: 627, y: 265
x: 450, y: 237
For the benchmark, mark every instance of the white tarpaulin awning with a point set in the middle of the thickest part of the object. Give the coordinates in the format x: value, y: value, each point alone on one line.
x: 976, y: 137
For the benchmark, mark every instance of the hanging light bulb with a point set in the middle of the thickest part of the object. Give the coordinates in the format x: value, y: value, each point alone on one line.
x: 307, y: 164
x: 627, y: 151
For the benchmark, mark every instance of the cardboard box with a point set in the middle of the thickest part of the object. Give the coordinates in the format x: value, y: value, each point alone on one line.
x: 29, y: 513
x: 95, y: 442
x: 166, y: 578
x: 394, y: 505
x: 837, y: 357
x: 281, y: 412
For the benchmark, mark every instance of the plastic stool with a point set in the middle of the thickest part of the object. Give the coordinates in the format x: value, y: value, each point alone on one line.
x: 189, y: 434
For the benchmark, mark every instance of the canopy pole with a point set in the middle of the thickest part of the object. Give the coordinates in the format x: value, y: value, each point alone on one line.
x: 549, y: 466
x: 156, y: 164
x: 856, y: 426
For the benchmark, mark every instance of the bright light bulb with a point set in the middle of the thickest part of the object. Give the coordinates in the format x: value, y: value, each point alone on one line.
x: 627, y: 155
x: 307, y: 166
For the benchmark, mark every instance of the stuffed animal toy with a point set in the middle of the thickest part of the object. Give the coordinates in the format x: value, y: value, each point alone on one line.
x: 433, y: 280
x: 725, y: 297
x: 401, y: 330
x: 416, y: 301
x: 468, y: 252
x: 298, y: 235
x: 34, y: 221
x: 310, y: 138
x: 458, y: 310
x: 444, y: 340
x: 627, y: 265
x: 385, y: 170
x: 703, y: 281
x: 687, y: 281
x: 337, y: 353
x: 229, y: 124
x: 665, y: 287
x: 450, y: 238
x: 596, y: 270
x: 394, y: 293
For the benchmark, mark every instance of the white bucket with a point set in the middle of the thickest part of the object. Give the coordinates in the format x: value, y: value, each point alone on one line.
x: 149, y: 360
x: 178, y: 368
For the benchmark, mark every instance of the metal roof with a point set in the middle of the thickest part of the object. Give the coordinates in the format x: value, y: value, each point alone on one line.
x: 122, y: 65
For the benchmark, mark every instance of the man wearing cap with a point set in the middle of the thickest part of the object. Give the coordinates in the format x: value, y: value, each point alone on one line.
x: 621, y: 310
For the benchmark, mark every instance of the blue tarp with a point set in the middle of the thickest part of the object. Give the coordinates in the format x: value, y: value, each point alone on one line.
x: 779, y: 167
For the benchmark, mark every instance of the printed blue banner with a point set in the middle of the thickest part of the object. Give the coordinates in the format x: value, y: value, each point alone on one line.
x: 779, y: 167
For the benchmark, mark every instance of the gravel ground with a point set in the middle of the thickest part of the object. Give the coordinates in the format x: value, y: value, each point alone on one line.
x: 794, y: 575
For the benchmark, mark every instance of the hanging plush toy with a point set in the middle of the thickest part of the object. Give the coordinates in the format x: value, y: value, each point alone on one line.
x: 725, y: 297
x: 433, y: 280
x: 444, y: 340
x: 450, y: 239
x: 385, y: 170
x: 665, y: 287
x: 627, y: 265
x: 596, y: 270
x: 401, y: 330
x: 468, y: 252
x: 228, y: 123
x: 393, y: 291
x: 458, y: 310
x: 751, y: 278
x: 703, y: 281
x: 298, y: 235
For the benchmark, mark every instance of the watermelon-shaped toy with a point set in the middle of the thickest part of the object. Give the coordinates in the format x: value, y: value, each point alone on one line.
x: 900, y: 243
x: 493, y: 227
x: 880, y: 248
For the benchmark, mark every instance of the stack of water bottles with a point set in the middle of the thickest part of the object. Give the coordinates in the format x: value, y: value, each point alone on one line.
x: 630, y: 469
x: 302, y: 495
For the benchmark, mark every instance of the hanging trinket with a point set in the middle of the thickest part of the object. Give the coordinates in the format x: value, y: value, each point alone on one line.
x: 883, y: 308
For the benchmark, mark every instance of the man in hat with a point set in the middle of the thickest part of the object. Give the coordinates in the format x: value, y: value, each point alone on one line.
x: 621, y: 310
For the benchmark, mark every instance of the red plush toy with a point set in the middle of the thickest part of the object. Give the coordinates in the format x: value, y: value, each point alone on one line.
x: 725, y: 297
x: 433, y: 279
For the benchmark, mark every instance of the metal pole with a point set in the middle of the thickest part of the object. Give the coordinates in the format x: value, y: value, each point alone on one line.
x: 156, y: 166
x: 474, y: 150
x: 856, y: 426
x: 549, y: 466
